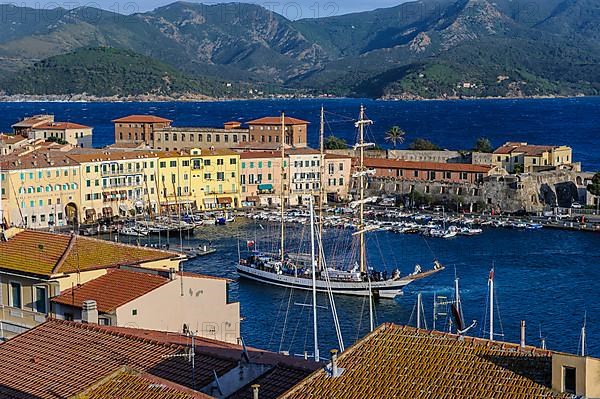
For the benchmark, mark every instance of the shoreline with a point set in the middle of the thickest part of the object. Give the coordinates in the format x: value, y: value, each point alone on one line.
x: 205, y: 99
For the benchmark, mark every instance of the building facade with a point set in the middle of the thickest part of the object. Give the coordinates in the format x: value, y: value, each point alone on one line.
x: 523, y: 157
x: 261, y: 177
x: 138, y: 129
x: 153, y: 300
x: 180, y: 138
x: 268, y: 131
x: 116, y: 184
x: 338, y: 174
x: 40, y: 190
x: 10, y: 143
x: 71, y: 133
x: 25, y: 126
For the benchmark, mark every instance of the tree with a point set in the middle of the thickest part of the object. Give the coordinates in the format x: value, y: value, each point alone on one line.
x: 424, y: 145
x: 395, y: 135
x: 483, y: 144
x: 335, y: 143
x: 57, y: 140
x: 518, y: 169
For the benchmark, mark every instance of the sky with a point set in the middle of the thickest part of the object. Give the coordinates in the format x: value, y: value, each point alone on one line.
x: 293, y: 9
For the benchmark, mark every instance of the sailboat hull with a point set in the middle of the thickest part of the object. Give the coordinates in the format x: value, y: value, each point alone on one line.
x: 389, y: 289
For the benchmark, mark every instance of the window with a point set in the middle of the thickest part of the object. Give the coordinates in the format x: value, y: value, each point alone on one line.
x: 185, y: 163
x: 134, y: 312
x: 104, y: 321
x: 41, y: 297
x: 232, y: 161
x: 220, y: 161
x: 173, y: 164
x: 220, y: 176
x: 207, y: 162
x: 15, y: 294
x: 163, y: 164
x: 569, y: 378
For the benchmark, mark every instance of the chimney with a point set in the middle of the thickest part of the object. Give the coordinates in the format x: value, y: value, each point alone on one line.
x: 255, y: 389
x: 522, y: 333
x: 172, y: 273
x: 89, y: 312
x: 334, y: 363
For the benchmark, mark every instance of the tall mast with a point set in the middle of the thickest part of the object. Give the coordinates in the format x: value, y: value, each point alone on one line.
x: 361, y: 222
x: 321, y: 180
x: 583, y: 335
x: 491, y: 288
x: 314, y: 277
x: 282, y: 197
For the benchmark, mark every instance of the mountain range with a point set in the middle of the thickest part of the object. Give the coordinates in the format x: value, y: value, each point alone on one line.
x: 422, y: 49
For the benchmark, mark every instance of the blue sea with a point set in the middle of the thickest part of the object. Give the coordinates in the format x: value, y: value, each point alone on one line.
x: 549, y: 278
x: 450, y: 124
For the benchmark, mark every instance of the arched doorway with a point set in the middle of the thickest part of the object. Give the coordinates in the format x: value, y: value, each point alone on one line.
x: 71, y: 214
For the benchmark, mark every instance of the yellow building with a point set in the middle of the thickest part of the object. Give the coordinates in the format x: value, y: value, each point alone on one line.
x: 117, y: 184
x: 40, y: 190
x: 530, y: 158
x: 201, y: 179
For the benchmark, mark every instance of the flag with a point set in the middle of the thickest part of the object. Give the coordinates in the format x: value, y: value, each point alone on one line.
x: 249, y: 244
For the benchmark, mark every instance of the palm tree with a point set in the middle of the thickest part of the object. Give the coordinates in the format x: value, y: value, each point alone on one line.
x: 395, y: 135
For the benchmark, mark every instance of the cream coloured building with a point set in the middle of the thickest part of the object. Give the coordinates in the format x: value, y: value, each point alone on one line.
x: 156, y: 300
x: 72, y: 133
x: 531, y: 158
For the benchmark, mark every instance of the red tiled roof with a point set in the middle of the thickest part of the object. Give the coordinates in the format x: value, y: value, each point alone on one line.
x: 11, y: 138
x: 60, y: 126
x: 59, y: 359
x: 48, y: 254
x: 37, y: 159
x: 276, y: 120
x: 303, y: 151
x: 522, y: 148
x: 142, y: 119
x: 112, y: 290
x: 127, y: 383
x: 403, y: 362
x: 413, y: 165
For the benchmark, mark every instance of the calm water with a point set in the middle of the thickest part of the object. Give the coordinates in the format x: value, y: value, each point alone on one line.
x: 451, y: 124
x: 548, y: 278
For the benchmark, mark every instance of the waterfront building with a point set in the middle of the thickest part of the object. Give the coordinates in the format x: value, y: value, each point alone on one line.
x: 77, y: 360
x: 137, y: 129
x: 180, y: 138
x: 338, y: 175
x: 428, y: 171
x: 529, y: 158
x: 40, y: 189
x: 67, y: 132
x: 404, y: 362
x: 268, y: 131
x: 35, y: 266
x: 25, y: 126
x: 202, y: 179
x: 11, y: 142
x: 155, y: 300
x: 116, y: 184
x: 260, y: 178
x: 305, y: 175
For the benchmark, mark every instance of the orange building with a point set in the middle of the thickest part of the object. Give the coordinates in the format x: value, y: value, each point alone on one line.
x: 268, y: 130
x: 136, y: 129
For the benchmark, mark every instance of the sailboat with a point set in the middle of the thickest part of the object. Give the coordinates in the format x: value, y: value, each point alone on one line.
x: 294, y: 270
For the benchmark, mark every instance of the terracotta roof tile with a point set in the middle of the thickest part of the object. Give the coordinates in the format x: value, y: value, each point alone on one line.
x: 112, y: 290
x: 142, y: 119
x: 438, y: 166
x: 276, y: 120
x: 127, y: 383
x: 260, y: 154
x: 11, y: 138
x: 59, y: 359
x: 103, y: 156
x: 60, y: 126
x: 403, y: 362
x: 47, y: 254
x: 522, y: 148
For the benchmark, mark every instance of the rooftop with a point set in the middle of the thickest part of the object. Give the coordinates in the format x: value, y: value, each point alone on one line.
x: 260, y: 155
x: 11, y: 138
x: 403, y: 362
x: 32, y: 121
x: 524, y: 148
x: 436, y: 166
x: 37, y: 159
x: 60, y: 126
x: 142, y: 119
x: 131, y: 384
x: 276, y: 120
x: 112, y: 290
x: 59, y: 359
x: 48, y: 254
x: 107, y: 156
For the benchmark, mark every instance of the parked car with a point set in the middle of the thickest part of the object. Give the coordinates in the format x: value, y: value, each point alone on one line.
x: 576, y: 205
